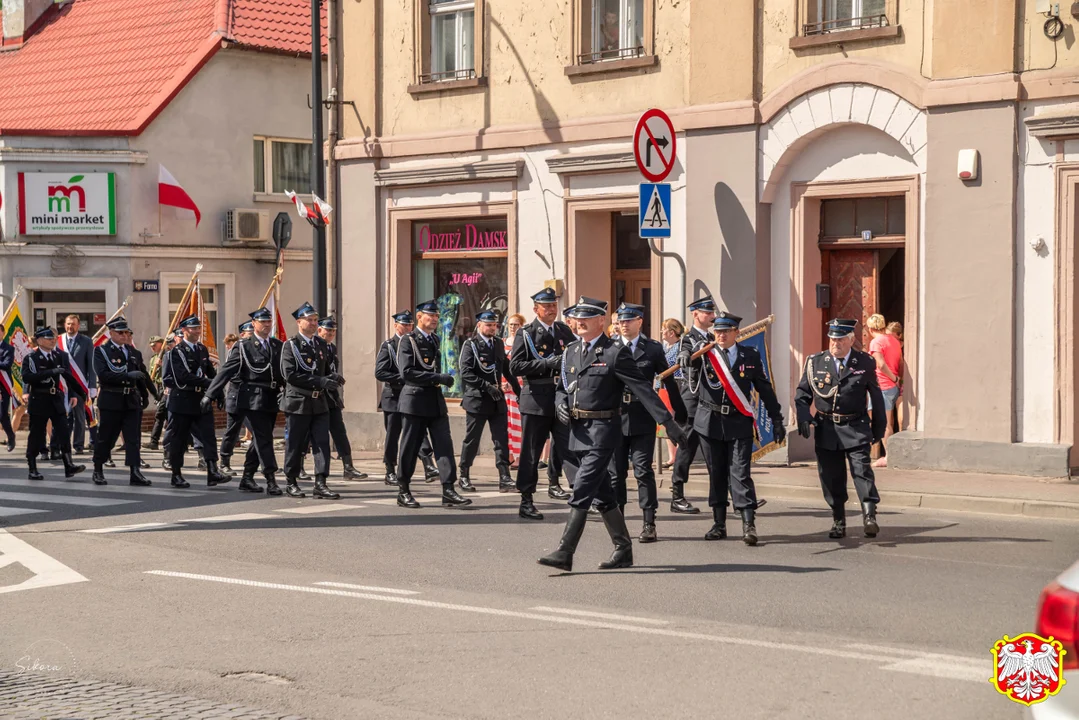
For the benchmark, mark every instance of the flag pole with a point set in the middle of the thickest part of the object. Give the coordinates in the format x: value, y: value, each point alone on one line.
x: 118, y: 313
x: 743, y: 333
x: 14, y: 299
x: 184, y: 300
x: 273, y: 285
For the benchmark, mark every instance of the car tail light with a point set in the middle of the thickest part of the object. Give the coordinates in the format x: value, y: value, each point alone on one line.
x: 1058, y: 615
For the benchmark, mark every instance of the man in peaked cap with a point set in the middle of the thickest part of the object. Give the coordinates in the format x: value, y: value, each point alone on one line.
x: 596, y: 373
x: 327, y: 330
x: 123, y: 383
x: 424, y: 407
x: 253, y: 368
x: 305, y: 366
x: 387, y: 373
x: 537, y: 357
x: 831, y: 398
x: 483, y: 366
x: 235, y: 421
x: 45, y: 372
x: 727, y: 377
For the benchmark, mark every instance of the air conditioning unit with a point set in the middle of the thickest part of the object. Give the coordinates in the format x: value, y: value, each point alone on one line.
x: 248, y: 226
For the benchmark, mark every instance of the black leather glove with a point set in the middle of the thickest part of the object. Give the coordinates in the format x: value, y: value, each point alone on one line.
x: 338, y: 378
x: 146, y: 402
x: 778, y: 431
x: 221, y: 403
x: 329, y: 385
x: 445, y: 379
x: 562, y: 411
x: 135, y: 375
x: 54, y: 372
x: 675, y: 432
x: 554, y: 362
x: 685, y: 358
x: 206, y: 404
x: 803, y: 428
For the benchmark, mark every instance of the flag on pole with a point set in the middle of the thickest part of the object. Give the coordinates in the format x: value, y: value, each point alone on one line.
x: 278, y: 324
x: 196, y: 306
x: 169, y: 192
x: 308, y: 214
x: 15, y: 333
x: 322, y: 209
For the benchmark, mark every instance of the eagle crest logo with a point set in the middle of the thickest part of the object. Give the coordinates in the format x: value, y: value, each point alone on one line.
x: 1026, y: 668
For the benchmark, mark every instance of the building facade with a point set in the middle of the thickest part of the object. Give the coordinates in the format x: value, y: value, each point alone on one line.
x: 221, y: 105
x: 820, y: 147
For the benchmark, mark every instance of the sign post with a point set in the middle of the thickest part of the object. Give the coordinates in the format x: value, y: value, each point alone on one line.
x: 654, y: 148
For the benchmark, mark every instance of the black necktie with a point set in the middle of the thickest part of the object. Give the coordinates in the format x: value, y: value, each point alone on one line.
x: 841, y: 364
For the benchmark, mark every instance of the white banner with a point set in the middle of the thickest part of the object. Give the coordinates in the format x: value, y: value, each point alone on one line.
x: 67, y: 203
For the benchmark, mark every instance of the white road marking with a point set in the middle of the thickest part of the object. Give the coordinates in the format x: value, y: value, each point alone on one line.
x: 10, y: 511
x: 130, y: 528
x: 385, y: 501
x: 64, y: 499
x: 47, y: 571
x: 601, y: 616
x: 878, y: 655
x: 88, y: 486
x: 312, y: 509
x: 368, y: 588
x: 944, y: 669
x: 239, y: 517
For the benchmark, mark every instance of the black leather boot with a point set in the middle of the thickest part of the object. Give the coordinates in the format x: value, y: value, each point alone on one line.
x: 555, y: 491
x: 391, y: 475
x: 214, y: 476
x: 430, y: 469
x: 248, y: 484
x: 152, y: 445
x: 226, y: 466
x: 322, y: 490
x: 648, y: 531
x: 10, y: 443
x: 303, y: 473
x: 450, y: 498
x: 292, y: 489
x: 351, y: 473
x: 622, y: 557
x: 719, y: 524
x: 54, y: 455
x: 528, y: 510
x: 178, y: 480
x: 679, y: 504
x: 839, y: 524
x: 404, y: 497
x: 506, y: 484
x: 34, y: 474
x: 166, y: 464
x: 869, y: 519
x: 465, y: 482
x: 749, y: 530
x: 562, y: 558
x: 137, y: 478
x: 70, y: 468
x: 98, y: 477
x: 272, y: 488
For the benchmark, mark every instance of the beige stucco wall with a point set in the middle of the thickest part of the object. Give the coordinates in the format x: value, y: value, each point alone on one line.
x: 969, y: 261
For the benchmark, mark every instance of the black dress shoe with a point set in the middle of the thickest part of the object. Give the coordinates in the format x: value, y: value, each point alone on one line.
x: 143, y: 464
x: 869, y: 514
x: 34, y: 474
x: 466, y: 483
x: 430, y: 473
x: 648, y: 533
x: 450, y: 498
x: 541, y: 465
x: 201, y: 464
x: 350, y: 472
x: 391, y: 478
x: 149, y: 446
x: 303, y: 474
x: 839, y: 530
x: 99, y: 477
x: 11, y: 443
x: 528, y: 510
x: 555, y: 491
x: 166, y: 464
x: 225, y: 469
x: 322, y: 491
x: 718, y: 532
x: 54, y: 455
x: 292, y: 489
x: 179, y: 482
x: 248, y: 484
x: 506, y: 484
x: 109, y: 463
x: 214, y: 476
x: 272, y: 488
x: 405, y: 500
x: 70, y: 468
x: 138, y: 479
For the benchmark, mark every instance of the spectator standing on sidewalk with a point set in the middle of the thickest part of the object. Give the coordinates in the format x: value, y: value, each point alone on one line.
x: 513, y: 410
x: 673, y: 330
x: 888, y: 353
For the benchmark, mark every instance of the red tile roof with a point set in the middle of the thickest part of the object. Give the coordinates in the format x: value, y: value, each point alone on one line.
x: 108, y: 67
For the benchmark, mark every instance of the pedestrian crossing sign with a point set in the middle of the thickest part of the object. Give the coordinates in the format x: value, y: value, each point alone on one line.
x: 655, y: 210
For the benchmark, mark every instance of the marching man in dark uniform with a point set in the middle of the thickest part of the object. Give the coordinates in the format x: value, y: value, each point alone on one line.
x: 537, y: 356
x: 703, y: 312
x: 253, y: 367
x: 596, y: 372
x: 638, y: 428
x: 483, y: 365
x: 43, y: 371
x: 728, y: 376
x: 161, y: 410
x: 122, y: 387
x: 234, y: 420
x: 305, y: 366
x: 832, y: 398
x: 424, y: 407
x: 387, y: 373
x: 187, y: 375
x: 7, y: 357
x: 327, y: 330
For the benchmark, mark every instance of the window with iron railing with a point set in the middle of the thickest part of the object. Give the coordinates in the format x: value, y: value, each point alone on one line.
x: 612, y: 30
x: 827, y: 16
x: 449, y: 42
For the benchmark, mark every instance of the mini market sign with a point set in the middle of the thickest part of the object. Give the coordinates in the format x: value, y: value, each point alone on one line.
x: 67, y: 204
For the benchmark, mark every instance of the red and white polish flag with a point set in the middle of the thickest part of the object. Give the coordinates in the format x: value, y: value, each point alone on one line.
x: 320, y: 213
x: 169, y: 192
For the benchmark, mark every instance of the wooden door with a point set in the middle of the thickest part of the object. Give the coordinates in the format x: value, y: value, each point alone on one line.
x: 853, y: 277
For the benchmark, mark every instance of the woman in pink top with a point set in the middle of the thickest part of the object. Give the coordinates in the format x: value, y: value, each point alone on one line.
x: 888, y: 353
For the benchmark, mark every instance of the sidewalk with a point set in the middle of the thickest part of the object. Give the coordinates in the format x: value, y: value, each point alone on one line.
x: 967, y: 492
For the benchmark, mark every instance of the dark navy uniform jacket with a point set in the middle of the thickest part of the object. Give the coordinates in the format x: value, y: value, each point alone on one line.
x: 420, y: 363
x: 305, y: 369
x: 693, y: 340
x: 748, y: 372
x: 387, y: 373
x: 482, y: 370
x: 842, y: 415
x: 187, y: 375
x: 42, y: 378
x: 117, y: 390
x: 255, y: 374
x: 532, y: 344
x: 594, y: 379
x: 650, y: 359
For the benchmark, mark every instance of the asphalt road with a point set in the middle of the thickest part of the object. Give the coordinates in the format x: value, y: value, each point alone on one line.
x: 359, y: 609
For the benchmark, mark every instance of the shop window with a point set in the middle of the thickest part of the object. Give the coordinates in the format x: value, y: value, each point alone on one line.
x: 612, y: 30
x: 463, y: 265
x: 827, y: 16
x: 849, y: 218
x: 281, y: 165
x: 451, y: 40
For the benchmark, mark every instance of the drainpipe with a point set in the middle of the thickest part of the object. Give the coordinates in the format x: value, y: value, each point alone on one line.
x: 333, y: 64
x: 681, y: 266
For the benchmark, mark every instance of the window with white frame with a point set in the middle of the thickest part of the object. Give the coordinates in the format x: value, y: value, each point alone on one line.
x: 453, y: 29
x: 209, y: 301
x: 611, y: 29
x: 281, y: 165
x: 826, y: 16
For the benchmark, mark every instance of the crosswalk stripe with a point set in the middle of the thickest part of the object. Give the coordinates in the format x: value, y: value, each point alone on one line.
x: 239, y: 517
x: 130, y: 528
x: 64, y: 499
x: 10, y: 511
x: 312, y: 509
x: 89, y: 486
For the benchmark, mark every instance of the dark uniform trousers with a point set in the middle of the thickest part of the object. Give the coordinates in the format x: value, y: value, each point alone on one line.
x: 161, y: 415
x: 693, y: 340
x: 844, y: 440
x: 424, y: 407
x: 304, y: 432
x: 387, y: 372
x: 593, y: 480
x: 483, y: 367
x: 119, y: 401
x: 338, y: 432
x: 305, y: 367
x: 728, y: 471
x: 394, y: 422
x: 39, y: 419
x: 261, y: 450
x: 474, y: 424
x: 42, y: 376
x: 534, y: 348
x: 181, y: 427
x: 638, y: 451
x: 7, y: 357
x: 187, y: 373
x: 234, y: 422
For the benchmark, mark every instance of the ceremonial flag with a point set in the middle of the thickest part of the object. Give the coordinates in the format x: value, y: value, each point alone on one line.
x: 197, y: 307
x: 15, y: 333
x: 322, y: 209
x: 308, y: 214
x: 278, y: 324
x: 170, y: 193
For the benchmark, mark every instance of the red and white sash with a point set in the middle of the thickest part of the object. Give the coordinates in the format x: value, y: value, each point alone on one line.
x: 726, y: 377
x: 76, y: 371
